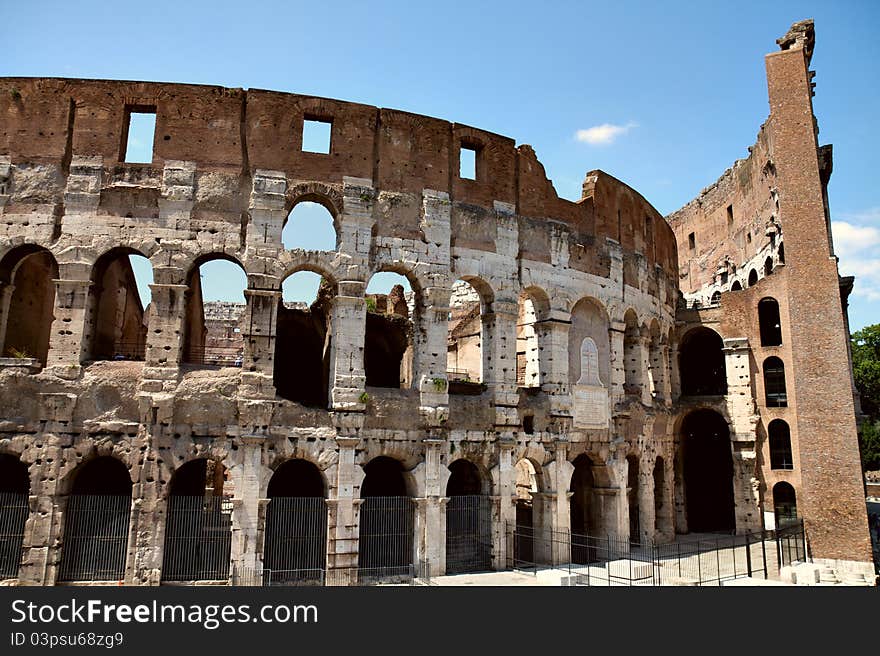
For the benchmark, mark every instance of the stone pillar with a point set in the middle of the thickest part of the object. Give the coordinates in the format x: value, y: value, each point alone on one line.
x: 618, y: 371
x: 647, y: 516
x: 643, y: 360
x: 558, y: 473
x: 666, y: 368
x: 432, y: 540
x: 6, y: 290
x: 248, y: 506
x: 553, y: 345
x: 347, y: 326
x: 499, y: 360
x: 744, y: 418
x: 40, y: 553
x: 504, y: 507
x: 267, y: 209
x: 342, y: 531
x: 165, y: 326
x: 430, y: 366
x: 148, y: 522
x: 68, y: 338
x: 674, y: 373
x: 258, y: 326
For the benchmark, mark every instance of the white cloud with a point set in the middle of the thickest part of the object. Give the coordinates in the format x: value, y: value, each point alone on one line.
x: 858, y: 248
x: 603, y: 135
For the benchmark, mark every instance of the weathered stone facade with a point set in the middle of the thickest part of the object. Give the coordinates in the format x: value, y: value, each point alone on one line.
x: 588, y: 292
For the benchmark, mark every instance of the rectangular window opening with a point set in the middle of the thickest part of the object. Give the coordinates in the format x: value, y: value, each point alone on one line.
x: 730, y: 216
x: 316, y: 135
x: 692, y: 241
x: 138, y: 135
x: 467, y: 162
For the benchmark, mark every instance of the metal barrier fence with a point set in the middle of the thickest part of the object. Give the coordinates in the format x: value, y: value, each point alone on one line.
x: 221, y: 356
x: 95, y: 538
x: 13, y: 515
x: 468, y: 534
x: 594, y: 560
x: 198, y: 537
x: 386, y: 537
x: 295, y: 548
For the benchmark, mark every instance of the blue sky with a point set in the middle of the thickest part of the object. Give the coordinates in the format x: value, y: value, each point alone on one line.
x: 665, y: 96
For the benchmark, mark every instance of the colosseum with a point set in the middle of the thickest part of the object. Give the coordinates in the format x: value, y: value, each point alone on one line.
x: 586, y: 369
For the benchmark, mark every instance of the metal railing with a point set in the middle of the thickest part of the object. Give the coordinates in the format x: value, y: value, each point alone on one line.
x: 386, y: 536
x: 220, y: 356
x: 295, y: 545
x: 198, y: 538
x: 95, y: 538
x: 607, y: 560
x: 468, y: 534
x: 13, y: 515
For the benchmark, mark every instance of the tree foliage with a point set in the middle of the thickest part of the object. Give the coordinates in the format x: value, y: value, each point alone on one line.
x: 866, y: 370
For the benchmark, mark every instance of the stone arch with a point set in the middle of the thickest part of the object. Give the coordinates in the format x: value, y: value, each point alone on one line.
x: 707, y: 472
x: 387, y: 522
x: 701, y: 363
x: 468, y: 356
x: 753, y: 278
x: 768, y: 266
x: 779, y: 438
x: 468, y: 519
x: 27, y: 301
x: 295, y: 535
x: 775, y: 393
x: 390, y: 348
x: 116, y: 318
x: 323, y: 194
x: 319, y: 220
x: 14, y: 491
x: 632, y: 361
x: 96, y: 521
x: 769, y: 322
x: 198, y: 523
x: 533, y: 307
x: 784, y: 504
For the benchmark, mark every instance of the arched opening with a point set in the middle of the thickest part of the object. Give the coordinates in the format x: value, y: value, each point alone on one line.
x: 96, y: 520
x: 468, y: 521
x: 301, y: 369
x: 768, y: 266
x: 14, y: 489
x: 753, y: 278
x: 784, y: 504
x: 387, y: 522
x: 632, y: 361
x: 295, y: 543
x: 701, y: 363
x: 779, y: 436
x: 214, y: 290
x: 735, y: 287
x: 309, y: 226
x: 27, y: 302
x: 583, y: 512
x: 716, y: 298
x: 198, y: 524
x: 632, y: 497
x: 659, y: 491
x: 708, y: 472
x: 769, y: 322
x: 532, y: 305
x: 524, y: 533
x: 117, y: 316
x: 389, y: 333
x: 781, y: 253
x: 656, y: 363
x: 465, y: 337
x: 774, y: 383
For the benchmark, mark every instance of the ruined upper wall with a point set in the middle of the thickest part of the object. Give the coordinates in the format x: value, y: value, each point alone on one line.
x: 229, y: 134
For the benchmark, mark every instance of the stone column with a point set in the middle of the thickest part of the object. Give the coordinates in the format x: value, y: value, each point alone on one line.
x: 643, y: 360
x: 553, y: 346
x: 618, y: 370
x: 165, y: 328
x: 558, y: 507
x: 40, y: 553
x: 665, y: 365
x: 68, y: 338
x: 647, y: 517
x: 342, y: 543
x: 6, y: 290
x: 148, y: 523
x: 258, y: 331
x: 674, y: 373
x: 499, y: 360
x: 430, y: 366
x: 504, y: 507
x: 248, y: 507
x: 432, y: 540
x: 348, y: 325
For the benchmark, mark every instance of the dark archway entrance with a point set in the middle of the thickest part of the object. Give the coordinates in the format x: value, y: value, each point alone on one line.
x: 95, y: 539
x: 14, y: 489
x: 295, y: 547
x: 387, y: 523
x: 198, y: 526
x: 583, y: 512
x: 701, y: 363
x: 25, y: 328
x: 632, y: 497
x: 708, y: 473
x: 784, y: 504
x: 468, y: 521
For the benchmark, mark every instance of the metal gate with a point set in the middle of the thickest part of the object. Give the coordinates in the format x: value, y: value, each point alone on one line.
x: 198, y: 537
x: 386, y: 538
x: 95, y: 538
x: 791, y: 543
x: 295, y: 547
x: 468, y: 534
x: 13, y: 515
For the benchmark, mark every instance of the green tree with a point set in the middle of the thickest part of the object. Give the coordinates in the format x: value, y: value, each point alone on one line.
x: 866, y: 370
